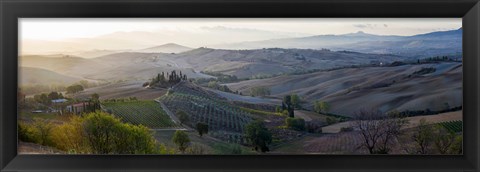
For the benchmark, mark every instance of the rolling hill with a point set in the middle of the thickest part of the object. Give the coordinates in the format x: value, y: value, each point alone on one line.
x: 63, y: 64
x: 273, y: 61
x: 31, y: 75
x: 385, y: 88
x: 241, y: 63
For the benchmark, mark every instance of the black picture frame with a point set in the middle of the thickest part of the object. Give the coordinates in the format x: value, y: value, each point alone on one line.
x: 11, y: 10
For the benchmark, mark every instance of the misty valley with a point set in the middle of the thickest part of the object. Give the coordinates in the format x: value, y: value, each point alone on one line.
x: 354, y: 93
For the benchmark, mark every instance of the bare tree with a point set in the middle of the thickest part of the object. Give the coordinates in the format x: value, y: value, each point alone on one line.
x: 378, y: 130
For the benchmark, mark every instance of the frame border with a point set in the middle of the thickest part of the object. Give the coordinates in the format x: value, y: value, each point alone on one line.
x: 11, y: 10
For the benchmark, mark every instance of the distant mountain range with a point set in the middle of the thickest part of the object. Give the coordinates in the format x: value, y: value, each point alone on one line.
x: 416, y: 46
x: 166, y: 48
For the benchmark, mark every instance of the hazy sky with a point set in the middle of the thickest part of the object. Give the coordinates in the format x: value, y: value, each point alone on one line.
x: 204, y: 32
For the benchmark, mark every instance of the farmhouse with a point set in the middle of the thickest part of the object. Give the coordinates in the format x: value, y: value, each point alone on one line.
x: 78, y: 107
x: 59, y: 100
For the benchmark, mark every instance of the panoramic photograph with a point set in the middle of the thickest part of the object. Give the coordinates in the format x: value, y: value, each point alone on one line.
x: 240, y: 86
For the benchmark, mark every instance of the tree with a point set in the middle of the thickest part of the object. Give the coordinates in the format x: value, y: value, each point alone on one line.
x: 183, y: 117
x: 43, y: 128
x: 74, y: 89
x: 430, y: 138
x: 423, y: 137
x: 378, y: 130
x: 84, y: 83
x: 202, y: 128
x: 287, y: 100
x: 106, y: 134
x: 259, y: 91
x: 295, y: 99
x: 321, y: 107
x: 99, y: 130
x: 295, y: 123
x: 94, y: 103
x: 447, y: 142
x: 53, y: 95
x: 95, y: 96
x: 181, y: 139
x: 258, y: 136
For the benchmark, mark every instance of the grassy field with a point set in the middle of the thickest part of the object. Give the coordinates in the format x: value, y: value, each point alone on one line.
x: 211, y: 145
x: 147, y: 113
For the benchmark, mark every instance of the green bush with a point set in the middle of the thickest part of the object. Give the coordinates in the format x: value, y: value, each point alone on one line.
x: 181, y: 139
x: 295, y: 123
x: 96, y: 132
x: 27, y: 133
x: 107, y: 134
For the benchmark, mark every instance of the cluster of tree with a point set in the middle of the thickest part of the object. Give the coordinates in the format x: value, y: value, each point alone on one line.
x: 436, y: 59
x: 220, y: 77
x: 217, y: 86
x: 447, y: 108
x: 295, y: 123
x: 168, y: 80
x: 321, y: 107
x: 128, y: 99
x: 379, y: 131
x: 93, y: 133
x: 74, y: 89
x: 425, y: 70
x: 46, y: 99
x: 93, y: 103
x: 430, y: 138
x: 264, y: 76
x: 88, y: 84
x: 201, y: 127
x: 259, y: 91
x: 288, y: 105
x: 258, y: 136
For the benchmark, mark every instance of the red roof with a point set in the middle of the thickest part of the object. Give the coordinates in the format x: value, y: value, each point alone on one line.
x: 80, y: 104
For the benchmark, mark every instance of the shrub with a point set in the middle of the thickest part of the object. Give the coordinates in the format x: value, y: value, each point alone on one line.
x: 346, y: 129
x: 259, y: 91
x: 183, y: 117
x: 27, y: 133
x: 43, y: 130
x: 196, y: 149
x: 96, y: 132
x: 70, y: 136
x: 295, y: 123
x: 331, y: 120
x: 258, y: 136
x: 181, y: 139
x: 314, y: 127
x: 202, y: 128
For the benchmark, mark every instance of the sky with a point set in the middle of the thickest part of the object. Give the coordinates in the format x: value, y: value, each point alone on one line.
x: 196, y: 32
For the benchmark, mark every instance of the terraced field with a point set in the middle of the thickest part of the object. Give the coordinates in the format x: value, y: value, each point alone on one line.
x: 147, y: 113
x: 225, y: 120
